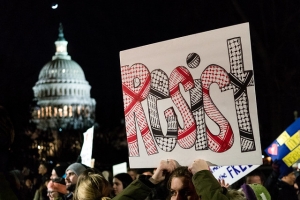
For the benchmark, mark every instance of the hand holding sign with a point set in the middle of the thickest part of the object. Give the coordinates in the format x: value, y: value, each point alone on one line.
x: 198, y: 165
x: 164, y: 166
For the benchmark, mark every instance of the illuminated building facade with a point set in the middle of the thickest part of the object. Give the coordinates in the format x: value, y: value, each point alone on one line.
x: 62, y: 93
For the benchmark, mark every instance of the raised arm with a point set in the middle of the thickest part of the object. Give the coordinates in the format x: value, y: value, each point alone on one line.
x: 141, y: 188
x: 206, y: 185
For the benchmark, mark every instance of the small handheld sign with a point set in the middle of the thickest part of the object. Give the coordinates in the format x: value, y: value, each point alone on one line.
x: 87, y: 147
x: 287, y: 146
x: 231, y: 174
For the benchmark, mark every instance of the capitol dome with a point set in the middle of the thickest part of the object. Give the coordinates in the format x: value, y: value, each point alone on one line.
x: 62, y: 93
x: 61, y: 70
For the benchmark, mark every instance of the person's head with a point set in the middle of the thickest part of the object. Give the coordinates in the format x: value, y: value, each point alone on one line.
x: 28, y: 183
x: 58, y: 174
x: 91, y: 185
x: 146, y: 171
x: 72, y: 174
x: 255, y: 176
x: 15, y: 178
x: 181, y: 186
x: 120, y: 182
x: 55, y: 190
x: 255, y: 192
x: 287, y: 175
x: 132, y: 173
x: 42, y: 169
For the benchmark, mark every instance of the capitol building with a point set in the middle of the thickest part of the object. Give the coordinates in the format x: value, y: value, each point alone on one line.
x: 62, y: 94
x: 63, y: 109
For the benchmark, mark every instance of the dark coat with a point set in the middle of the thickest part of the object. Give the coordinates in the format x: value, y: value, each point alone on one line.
x: 278, y: 189
x: 285, y: 191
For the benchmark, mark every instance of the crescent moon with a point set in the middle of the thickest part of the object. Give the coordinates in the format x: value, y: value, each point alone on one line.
x: 54, y: 6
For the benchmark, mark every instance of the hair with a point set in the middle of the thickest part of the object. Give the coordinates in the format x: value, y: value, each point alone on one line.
x: 124, y: 178
x: 259, y: 173
x: 44, y: 164
x: 180, y: 172
x: 91, y: 185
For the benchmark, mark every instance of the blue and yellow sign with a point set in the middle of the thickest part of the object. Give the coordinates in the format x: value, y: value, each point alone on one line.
x: 287, y: 146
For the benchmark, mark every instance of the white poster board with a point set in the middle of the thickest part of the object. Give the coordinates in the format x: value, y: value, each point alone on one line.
x: 119, y: 168
x: 87, y: 147
x: 192, y: 97
x: 231, y: 174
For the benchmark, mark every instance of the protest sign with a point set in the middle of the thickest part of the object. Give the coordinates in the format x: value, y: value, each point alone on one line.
x: 87, y: 147
x: 287, y: 146
x: 192, y: 97
x: 231, y: 174
x: 120, y: 168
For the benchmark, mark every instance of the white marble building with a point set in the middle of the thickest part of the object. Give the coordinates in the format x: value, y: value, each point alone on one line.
x: 62, y: 93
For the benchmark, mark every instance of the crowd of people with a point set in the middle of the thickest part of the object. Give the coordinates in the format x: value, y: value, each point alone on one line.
x: 169, y: 180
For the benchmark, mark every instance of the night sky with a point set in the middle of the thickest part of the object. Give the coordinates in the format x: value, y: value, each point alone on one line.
x: 98, y: 30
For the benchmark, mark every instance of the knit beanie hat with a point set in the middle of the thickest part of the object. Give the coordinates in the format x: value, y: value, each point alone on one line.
x: 284, y: 171
x: 255, y: 192
x: 77, y: 168
x: 57, y: 187
x: 124, y: 178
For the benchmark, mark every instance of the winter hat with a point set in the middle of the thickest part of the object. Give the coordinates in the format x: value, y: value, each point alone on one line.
x: 124, y: 178
x: 77, y: 168
x: 255, y: 192
x: 57, y: 187
x: 284, y: 171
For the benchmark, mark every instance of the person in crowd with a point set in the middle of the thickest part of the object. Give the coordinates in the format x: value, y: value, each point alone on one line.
x: 281, y: 181
x: 133, y: 173
x: 29, y: 189
x: 297, y: 186
x: 41, y: 182
x: 194, y: 182
x: 15, y: 179
x: 120, y: 182
x: 58, y: 174
x: 256, y: 176
x: 41, y: 192
x: 7, y: 136
x: 56, y: 191
x: 27, y: 172
x: 72, y: 173
x: 147, y: 171
x: 43, y: 175
x: 91, y: 185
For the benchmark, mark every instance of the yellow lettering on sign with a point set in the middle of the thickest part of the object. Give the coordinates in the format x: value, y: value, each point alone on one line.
x: 283, y: 137
x: 293, y: 142
x: 292, y: 157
